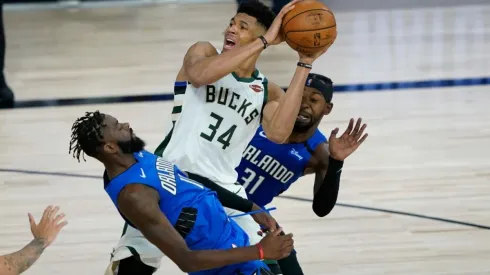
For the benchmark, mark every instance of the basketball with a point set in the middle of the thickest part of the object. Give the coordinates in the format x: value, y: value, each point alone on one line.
x: 309, y: 27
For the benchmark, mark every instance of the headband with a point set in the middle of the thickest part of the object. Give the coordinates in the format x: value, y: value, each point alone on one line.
x: 324, y: 88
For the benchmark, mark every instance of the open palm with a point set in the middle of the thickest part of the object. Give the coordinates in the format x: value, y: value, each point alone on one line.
x: 341, y: 147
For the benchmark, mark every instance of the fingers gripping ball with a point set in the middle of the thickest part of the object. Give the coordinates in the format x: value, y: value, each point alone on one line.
x: 310, y: 27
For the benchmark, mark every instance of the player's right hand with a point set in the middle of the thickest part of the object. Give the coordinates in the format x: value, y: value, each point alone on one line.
x: 310, y: 58
x: 49, y: 226
x: 277, y: 246
x: 273, y: 34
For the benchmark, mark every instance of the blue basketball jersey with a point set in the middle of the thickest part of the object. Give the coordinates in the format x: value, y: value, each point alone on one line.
x: 177, y: 194
x: 267, y: 169
x: 193, y: 210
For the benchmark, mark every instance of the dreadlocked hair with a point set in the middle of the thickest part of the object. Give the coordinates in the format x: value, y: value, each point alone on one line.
x: 258, y: 10
x: 86, y: 135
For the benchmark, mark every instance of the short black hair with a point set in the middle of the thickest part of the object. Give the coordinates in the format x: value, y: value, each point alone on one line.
x: 258, y: 10
x: 86, y: 135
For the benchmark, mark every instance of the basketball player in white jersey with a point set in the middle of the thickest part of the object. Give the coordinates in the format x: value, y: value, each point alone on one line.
x: 220, y: 99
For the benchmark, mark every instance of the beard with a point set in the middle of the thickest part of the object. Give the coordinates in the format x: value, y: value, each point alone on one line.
x: 135, y: 144
x: 302, y: 127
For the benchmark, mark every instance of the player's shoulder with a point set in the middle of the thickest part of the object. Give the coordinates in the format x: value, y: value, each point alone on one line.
x: 203, y: 44
x: 319, y: 135
x: 203, y: 47
x: 316, y: 139
x: 275, y: 92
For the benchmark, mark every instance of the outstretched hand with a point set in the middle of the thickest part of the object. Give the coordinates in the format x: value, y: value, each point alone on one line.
x: 341, y: 147
x: 49, y: 226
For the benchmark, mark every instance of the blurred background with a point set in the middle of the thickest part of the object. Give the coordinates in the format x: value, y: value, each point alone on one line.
x: 405, y: 40
x: 414, y: 199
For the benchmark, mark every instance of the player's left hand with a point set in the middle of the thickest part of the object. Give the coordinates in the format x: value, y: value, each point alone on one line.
x: 264, y: 219
x: 341, y: 147
x: 49, y: 226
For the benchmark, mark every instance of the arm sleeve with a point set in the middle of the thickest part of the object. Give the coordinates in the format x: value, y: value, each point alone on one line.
x: 325, y: 198
x: 226, y: 197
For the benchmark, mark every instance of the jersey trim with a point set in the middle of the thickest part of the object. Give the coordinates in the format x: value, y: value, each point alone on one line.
x: 163, y: 145
x: 254, y: 77
x: 179, y: 91
x: 265, y: 83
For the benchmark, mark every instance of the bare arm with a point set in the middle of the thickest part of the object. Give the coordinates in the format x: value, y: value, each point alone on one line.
x: 139, y: 203
x: 44, y: 234
x: 202, y: 65
x: 281, y: 110
x: 18, y: 262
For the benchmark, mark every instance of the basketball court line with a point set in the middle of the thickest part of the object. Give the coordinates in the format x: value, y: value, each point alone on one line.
x: 393, y: 212
x: 367, y: 208
x: 361, y: 87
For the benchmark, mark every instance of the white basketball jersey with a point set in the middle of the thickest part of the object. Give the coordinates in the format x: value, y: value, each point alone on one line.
x: 213, y: 124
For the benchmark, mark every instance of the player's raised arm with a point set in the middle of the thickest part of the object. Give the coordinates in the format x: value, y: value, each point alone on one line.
x: 332, y: 156
x: 281, y: 110
x: 203, y: 65
x: 244, y: 39
x: 139, y: 204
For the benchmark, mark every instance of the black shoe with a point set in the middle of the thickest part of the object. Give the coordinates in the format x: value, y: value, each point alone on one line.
x: 6, y: 98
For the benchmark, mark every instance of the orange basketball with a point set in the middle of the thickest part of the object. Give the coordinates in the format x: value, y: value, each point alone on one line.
x: 309, y: 27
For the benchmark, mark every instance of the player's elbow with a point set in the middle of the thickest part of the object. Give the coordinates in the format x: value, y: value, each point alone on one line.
x: 189, y: 264
x: 322, y: 210
x: 277, y: 137
x: 199, y: 77
x: 187, y: 267
x: 321, y: 213
x: 197, y: 80
x: 276, y: 133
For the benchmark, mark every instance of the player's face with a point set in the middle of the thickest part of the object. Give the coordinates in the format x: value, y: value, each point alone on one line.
x: 120, y: 135
x: 242, y: 30
x: 313, y: 108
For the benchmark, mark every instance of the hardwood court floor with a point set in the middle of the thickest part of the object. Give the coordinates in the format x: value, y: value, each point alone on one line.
x: 427, y: 152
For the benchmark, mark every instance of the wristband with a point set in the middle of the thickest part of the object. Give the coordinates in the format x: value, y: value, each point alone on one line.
x: 304, y: 65
x: 266, y: 44
x: 261, y: 251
